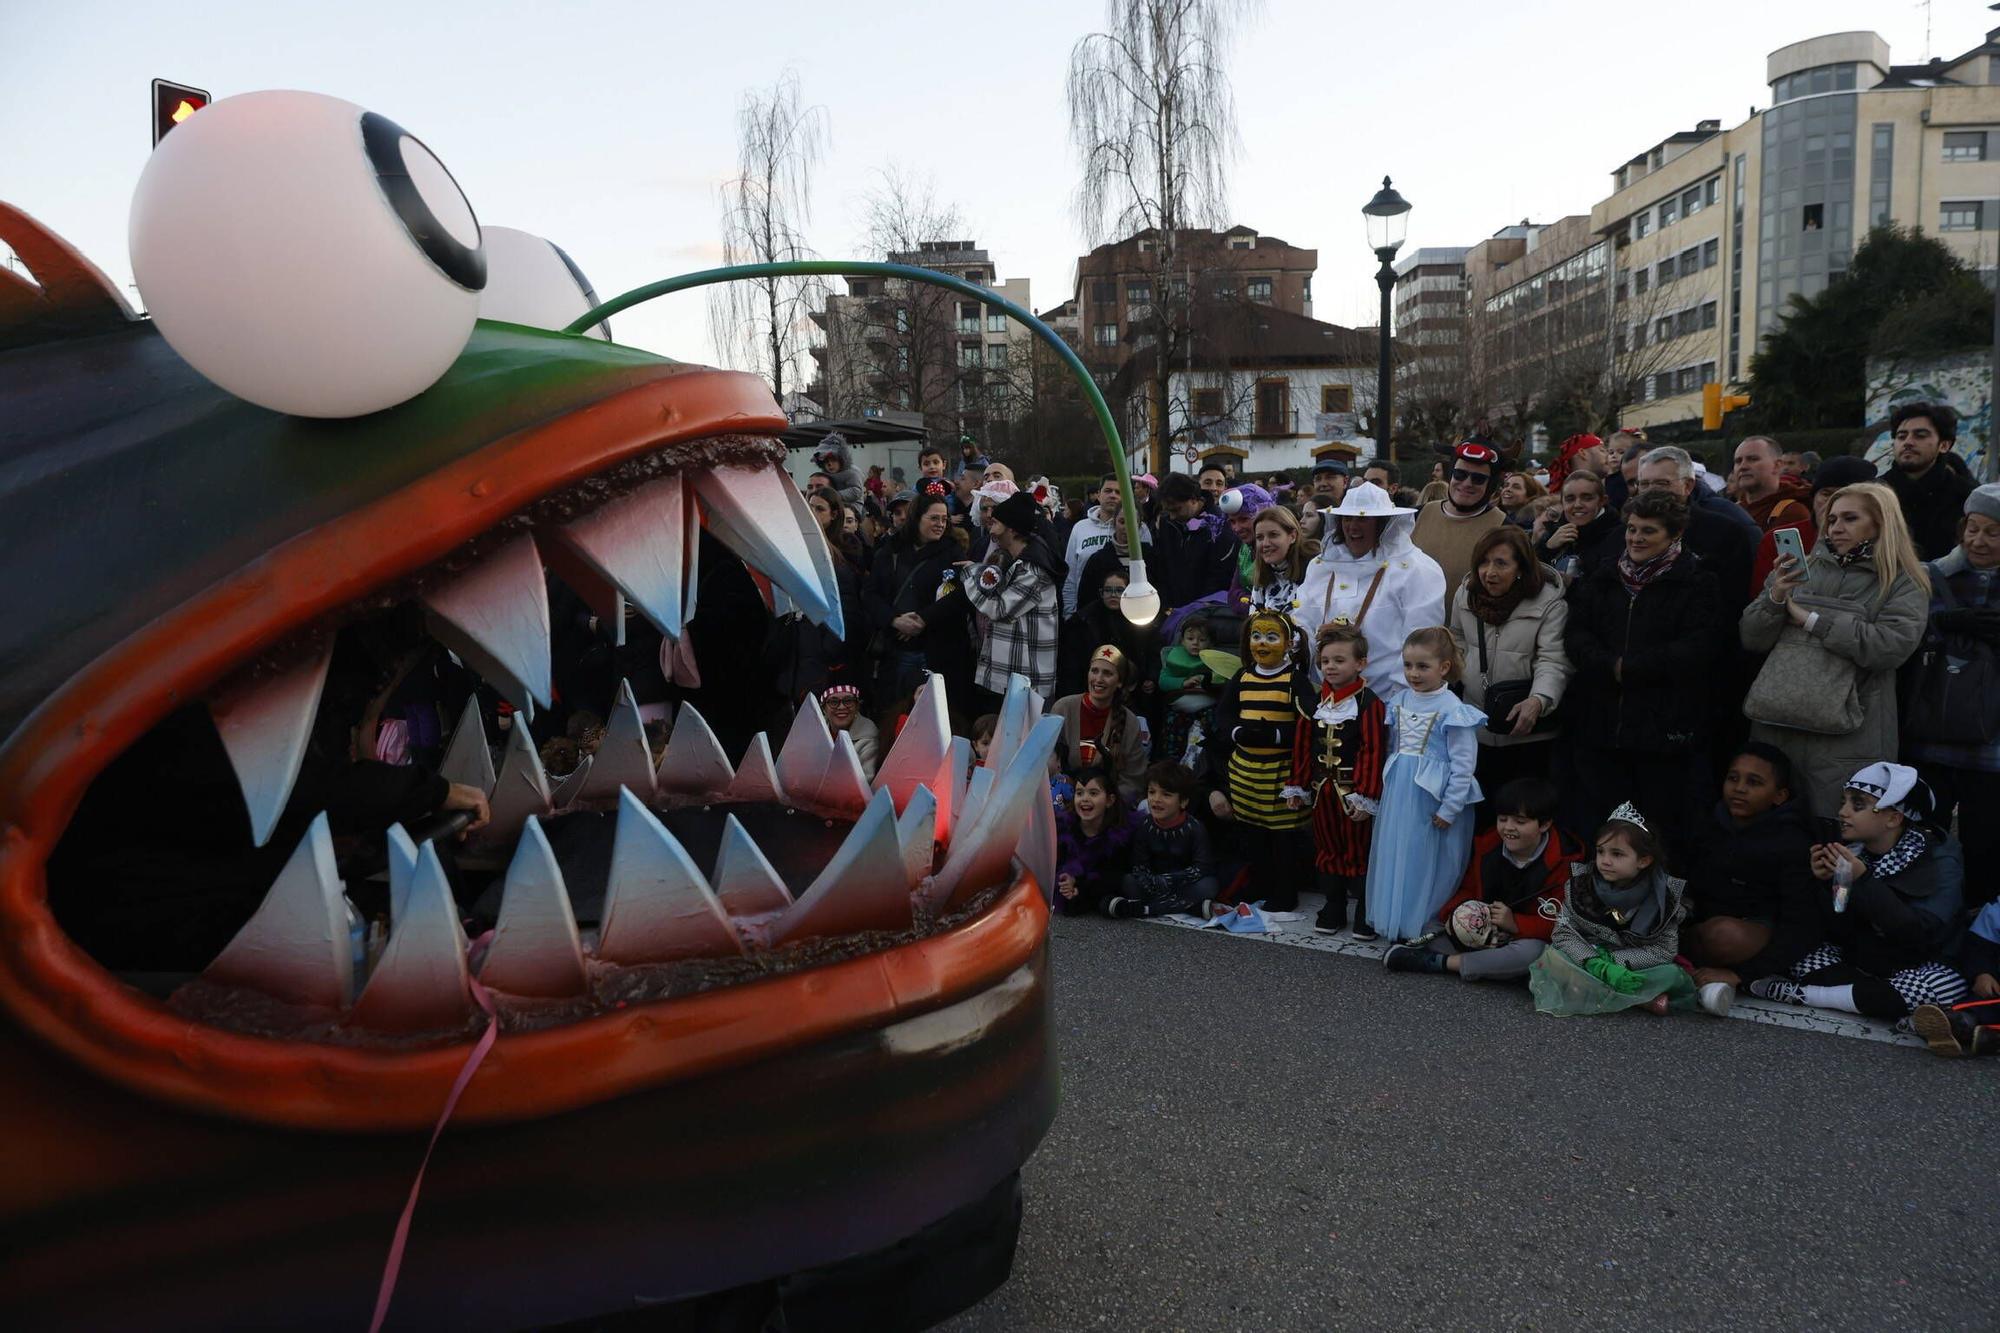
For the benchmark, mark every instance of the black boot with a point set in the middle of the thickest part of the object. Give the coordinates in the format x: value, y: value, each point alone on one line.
x: 1412, y: 958
x: 1332, y: 917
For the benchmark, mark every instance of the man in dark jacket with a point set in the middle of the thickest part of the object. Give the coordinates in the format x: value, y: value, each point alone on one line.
x: 1194, y: 552
x: 1930, y: 481
x: 1755, y: 909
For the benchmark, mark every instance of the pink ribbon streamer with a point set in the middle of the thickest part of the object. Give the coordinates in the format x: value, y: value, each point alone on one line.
x: 394, y: 1266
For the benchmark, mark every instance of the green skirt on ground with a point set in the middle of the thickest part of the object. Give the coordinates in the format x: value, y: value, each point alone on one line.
x: 1563, y: 988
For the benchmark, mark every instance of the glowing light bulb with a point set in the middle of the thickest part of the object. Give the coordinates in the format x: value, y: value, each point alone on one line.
x: 1141, y: 602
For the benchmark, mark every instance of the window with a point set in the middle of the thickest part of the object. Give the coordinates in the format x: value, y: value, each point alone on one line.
x: 968, y: 355
x: 1663, y: 328
x: 968, y: 317
x: 860, y: 287
x: 996, y: 356
x: 1708, y: 311
x: 1711, y: 193
x: 1224, y: 289
x: 1686, y: 322
x: 1274, y: 407
x: 1103, y: 293
x: 1670, y: 212
x: 1960, y: 215
x: 1666, y: 272
x: 1708, y: 372
x: 1207, y: 404
x: 996, y: 320
x: 1258, y: 289
x: 1642, y: 224
x: 1642, y: 280
x: 1336, y: 398
x: 1691, y: 201
x: 975, y: 275
x: 902, y: 358
x: 1138, y: 293
x: 1965, y: 146
x: 1813, y: 217
x: 1241, y: 243
x: 1690, y: 262
x: 1711, y: 253
x: 902, y: 319
x: 1105, y: 335
x: 1103, y: 377
x: 1639, y: 334
x: 1688, y: 379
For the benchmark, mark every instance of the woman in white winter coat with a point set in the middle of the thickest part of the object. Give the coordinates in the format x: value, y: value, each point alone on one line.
x: 1369, y: 572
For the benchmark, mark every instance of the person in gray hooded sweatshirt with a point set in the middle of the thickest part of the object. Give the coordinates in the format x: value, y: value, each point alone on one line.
x: 833, y: 458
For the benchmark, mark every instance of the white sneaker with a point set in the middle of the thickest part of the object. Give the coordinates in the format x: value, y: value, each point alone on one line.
x: 1716, y: 997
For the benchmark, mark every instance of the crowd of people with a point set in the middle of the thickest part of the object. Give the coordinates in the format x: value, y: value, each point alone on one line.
x: 1635, y: 732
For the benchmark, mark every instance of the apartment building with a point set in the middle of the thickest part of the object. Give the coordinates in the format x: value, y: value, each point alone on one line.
x: 1116, y: 285
x: 1714, y: 231
x: 894, y: 344
x: 1538, y: 314
x: 1430, y: 311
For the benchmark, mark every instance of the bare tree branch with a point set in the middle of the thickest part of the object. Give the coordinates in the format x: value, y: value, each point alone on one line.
x: 762, y: 325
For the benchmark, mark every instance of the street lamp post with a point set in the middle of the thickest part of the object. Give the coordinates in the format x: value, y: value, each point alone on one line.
x: 1388, y: 219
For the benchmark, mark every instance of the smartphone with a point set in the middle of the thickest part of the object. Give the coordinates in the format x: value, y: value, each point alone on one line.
x: 1788, y: 543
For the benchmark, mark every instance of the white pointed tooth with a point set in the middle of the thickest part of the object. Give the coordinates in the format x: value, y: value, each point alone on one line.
x: 691, y: 562
x: 916, y: 831
x: 1014, y: 722
x: 974, y: 800
x: 843, y: 788
x: 522, y: 789
x: 822, y: 560
x: 920, y: 746
x: 982, y: 850
x: 568, y: 788
x: 695, y: 764
x: 600, y: 594
x: 807, y: 750
x: 744, y: 880
x: 296, y: 946
x: 751, y: 511
x: 265, y: 725
x: 623, y: 760
x: 421, y: 983
x: 469, y: 760
x: 677, y: 662
x: 535, y: 949
x: 862, y: 888
x: 402, y: 872
x: 658, y: 907
x: 756, y: 777
x: 495, y: 616
x: 1037, y: 848
x: 637, y: 542
x: 950, y: 786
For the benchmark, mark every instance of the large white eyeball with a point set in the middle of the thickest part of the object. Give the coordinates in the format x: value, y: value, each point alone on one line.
x: 1230, y: 501
x: 534, y: 282
x: 306, y: 254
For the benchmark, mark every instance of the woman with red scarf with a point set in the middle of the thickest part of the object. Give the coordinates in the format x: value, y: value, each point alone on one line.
x: 1643, y: 637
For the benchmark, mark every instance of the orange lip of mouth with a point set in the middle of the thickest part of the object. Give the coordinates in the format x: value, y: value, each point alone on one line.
x: 52, y: 988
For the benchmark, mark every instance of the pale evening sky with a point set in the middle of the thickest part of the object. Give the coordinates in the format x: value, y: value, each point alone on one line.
x: 608, y: 126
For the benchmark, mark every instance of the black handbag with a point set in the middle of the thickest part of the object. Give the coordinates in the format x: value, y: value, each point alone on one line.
x: 1951, y: 688
x: 1503, y: 695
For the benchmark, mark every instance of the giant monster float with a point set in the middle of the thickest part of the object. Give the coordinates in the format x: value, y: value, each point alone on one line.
x: 794, y: 1051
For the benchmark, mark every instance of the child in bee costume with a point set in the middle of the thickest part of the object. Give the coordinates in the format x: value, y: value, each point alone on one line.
x: 1337, y: 770
x: 1257, y: 723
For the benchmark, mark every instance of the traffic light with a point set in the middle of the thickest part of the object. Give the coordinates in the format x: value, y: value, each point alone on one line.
x: 172, y: 104
x: 1715, y: 405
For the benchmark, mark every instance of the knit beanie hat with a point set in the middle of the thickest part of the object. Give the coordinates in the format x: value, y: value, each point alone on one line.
x: 1985, y: 501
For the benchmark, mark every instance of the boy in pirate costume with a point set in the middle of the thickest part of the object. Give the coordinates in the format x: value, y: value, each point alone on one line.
x: 1257, y: 722
x: 1337, y: 770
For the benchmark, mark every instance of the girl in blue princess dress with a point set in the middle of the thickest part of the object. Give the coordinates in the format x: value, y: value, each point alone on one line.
x: 1423, y: 834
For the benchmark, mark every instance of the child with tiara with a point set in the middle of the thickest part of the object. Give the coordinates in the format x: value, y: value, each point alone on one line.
x: 1616, y: 936
x: 1423, y: 831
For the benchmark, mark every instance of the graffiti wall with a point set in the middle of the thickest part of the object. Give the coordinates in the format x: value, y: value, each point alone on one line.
x: 1962, y: 379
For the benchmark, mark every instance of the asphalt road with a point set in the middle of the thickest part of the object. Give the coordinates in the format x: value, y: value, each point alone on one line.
x: 1269, y: 1138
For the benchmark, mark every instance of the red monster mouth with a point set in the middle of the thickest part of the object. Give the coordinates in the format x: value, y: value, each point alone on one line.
x: 686, y: 969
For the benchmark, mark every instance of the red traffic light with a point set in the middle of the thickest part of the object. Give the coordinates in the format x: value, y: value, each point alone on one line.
x: 172, y: 104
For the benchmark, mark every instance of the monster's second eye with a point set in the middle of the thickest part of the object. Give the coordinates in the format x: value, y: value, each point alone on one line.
x: 532, y: 281
x: 306, y: 254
